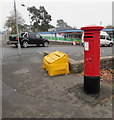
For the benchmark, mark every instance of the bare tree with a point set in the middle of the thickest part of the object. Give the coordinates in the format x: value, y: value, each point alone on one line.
x: 10, y: 22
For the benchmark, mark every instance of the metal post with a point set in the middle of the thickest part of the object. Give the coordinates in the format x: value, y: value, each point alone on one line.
x: 29, y: 22
x: 100, y: 23
x: 19, y: 47
x: 2, y: 46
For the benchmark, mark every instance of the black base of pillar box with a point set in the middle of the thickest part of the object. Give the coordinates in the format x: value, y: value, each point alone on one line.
x: 92, y: 84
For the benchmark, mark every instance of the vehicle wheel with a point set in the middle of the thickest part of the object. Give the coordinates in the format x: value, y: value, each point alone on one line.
x: 110, y: 45
x: 45, y: 44
x: 25, y: 44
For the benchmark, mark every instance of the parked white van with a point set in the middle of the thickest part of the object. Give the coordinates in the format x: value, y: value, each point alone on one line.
x: 105, y: 39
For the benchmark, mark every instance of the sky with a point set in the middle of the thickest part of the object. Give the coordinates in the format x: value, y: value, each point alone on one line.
x: 76, y: 13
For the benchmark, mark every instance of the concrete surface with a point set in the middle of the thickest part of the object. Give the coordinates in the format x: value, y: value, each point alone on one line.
x: 29, y: 92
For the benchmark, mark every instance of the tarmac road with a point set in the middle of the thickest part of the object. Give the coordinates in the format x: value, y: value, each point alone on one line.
x: 74, y: 52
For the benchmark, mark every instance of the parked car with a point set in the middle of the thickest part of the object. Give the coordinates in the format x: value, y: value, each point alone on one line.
x: 27, y: 38
x: 105, y: 39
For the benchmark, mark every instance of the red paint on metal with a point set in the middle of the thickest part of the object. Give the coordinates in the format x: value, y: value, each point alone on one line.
x: 92, y: 50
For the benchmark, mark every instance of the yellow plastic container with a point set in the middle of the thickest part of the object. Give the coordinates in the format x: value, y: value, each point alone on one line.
x: 56, y: 63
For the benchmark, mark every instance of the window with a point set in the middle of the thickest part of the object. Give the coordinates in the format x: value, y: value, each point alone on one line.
x: 31, y: 35
x: 22, y: 34
x: 25, y: 34
x: 38, y: 36
x: 102, y: 37
x: 108, y: 38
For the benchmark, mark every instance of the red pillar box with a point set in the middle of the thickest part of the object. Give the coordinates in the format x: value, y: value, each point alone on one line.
x: 92, y: 58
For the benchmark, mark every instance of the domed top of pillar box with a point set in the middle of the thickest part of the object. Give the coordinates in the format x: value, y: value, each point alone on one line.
x: 92, y: 28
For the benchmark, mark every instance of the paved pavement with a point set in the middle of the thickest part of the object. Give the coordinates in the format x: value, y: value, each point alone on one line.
x: 29, y: 92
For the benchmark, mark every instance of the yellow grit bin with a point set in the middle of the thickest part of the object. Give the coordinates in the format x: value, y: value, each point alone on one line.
x: 56, y: 63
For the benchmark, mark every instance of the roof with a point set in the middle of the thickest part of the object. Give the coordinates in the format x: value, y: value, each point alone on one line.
x: 108, y: 30
x: 89, y: 28
x: 66, y: 31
